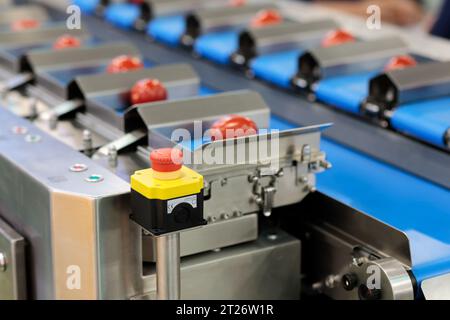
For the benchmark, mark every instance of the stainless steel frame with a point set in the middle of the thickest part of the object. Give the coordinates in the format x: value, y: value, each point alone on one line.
x: 12, y: 264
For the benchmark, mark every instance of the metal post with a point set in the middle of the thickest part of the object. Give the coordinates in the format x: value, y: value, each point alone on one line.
x: 168, y: 267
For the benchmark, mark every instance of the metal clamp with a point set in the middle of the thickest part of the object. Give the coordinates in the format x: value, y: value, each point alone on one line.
x: 316, y: 161
x: 264, y: 195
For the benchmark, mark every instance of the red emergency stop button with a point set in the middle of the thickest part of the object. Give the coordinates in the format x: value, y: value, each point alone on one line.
x: 265, y: 18
x: 124, y: 63
x: 400, y: 62
x: 233, y: 126
x: 25, y: 24
x: 148, y: 90
x: 66, y: 41
x: 337, y: 37
x: 166, y: 159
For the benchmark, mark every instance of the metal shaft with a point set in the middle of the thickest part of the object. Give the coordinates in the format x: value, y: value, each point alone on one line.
x: 168, y: 267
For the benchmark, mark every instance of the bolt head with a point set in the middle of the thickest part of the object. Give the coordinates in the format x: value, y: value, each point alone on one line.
x: 78, y: 167
x: 19, y: 130
x: 94, y: 178
x: 349, y: 281
x: 33, y: 138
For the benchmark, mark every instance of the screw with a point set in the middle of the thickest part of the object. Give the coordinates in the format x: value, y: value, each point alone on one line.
x: 19, y: 130
x: 78, y: 167
x: 359, y: 261
x: 272, y: 236
x: 94, y: 178
x: 112, y: 156
x: 53, y: 121
x: 303, y: 179
x: 225, y: 216
x: 3, y: 263
x: 32, y: 138
x: 237, y: 213
x: 33, y: 109
x: 384, y: 124
x: 326, y: 164
x: 212, y: 219
x: 87, y: 142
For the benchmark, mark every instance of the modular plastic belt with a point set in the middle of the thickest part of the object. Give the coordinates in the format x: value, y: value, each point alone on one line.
x: 168, y: 29
x: 277, y: 68
x: 428, y: 120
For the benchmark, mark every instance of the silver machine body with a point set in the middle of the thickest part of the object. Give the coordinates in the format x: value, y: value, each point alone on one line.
x: 66, y: 157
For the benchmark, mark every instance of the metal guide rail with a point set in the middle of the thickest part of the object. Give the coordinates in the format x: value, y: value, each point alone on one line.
x: 15, y: 45
x: 283, y: 36
x: 140, y: 14
x: 386, y: 145
x: 347, y: 58
x: 101, y: 103
x: 208, y: 20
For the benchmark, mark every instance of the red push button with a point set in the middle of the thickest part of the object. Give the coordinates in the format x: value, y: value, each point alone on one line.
x: 265, y: 18
x: 66, y: 41
x: 337, y: 37
x: 166, y: 159
x: 233, y: 126
x: 400, y: 62
x: 148, y: 90
x: 124, y: 63
x: 25, y: 24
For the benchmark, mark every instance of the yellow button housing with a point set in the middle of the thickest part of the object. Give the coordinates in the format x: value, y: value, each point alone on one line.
x: 143, y: 182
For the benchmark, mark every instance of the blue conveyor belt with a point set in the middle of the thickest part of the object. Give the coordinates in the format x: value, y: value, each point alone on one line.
x: 87, y: 6
x: 217, y: 46
x: 122, y: 15
x: 167, y: 29
x: 426, y: 120
x: 345, y: 92
x: 415, y: 206
x: 277, y: 68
